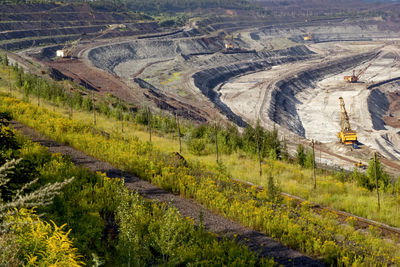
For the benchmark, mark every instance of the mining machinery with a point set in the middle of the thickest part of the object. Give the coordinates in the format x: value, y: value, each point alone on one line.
x: 308, y: 37
x: 229, y: 42
x: 68, y: 49
x: 355, y: 77
x: 346, y: 134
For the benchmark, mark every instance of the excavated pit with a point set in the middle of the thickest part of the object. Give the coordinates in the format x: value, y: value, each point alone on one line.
x: 282, y: 109
x: 271, y: 74
x: 143, y: 58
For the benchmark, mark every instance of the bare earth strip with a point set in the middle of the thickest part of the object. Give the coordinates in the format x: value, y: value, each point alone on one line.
x: 256, y: 241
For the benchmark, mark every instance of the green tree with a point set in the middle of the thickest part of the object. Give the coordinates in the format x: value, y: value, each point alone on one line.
x: 4, y: 60
x: 308, y: 163
x: 300, y: 155
x: 284, y: 152
x: 272, y: 145
x: 383, y: 177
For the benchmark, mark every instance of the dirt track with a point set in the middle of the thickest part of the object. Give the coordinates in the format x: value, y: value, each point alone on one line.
x: 256, y: 241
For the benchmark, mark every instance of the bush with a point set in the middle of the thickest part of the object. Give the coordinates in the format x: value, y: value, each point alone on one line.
x: 382, y: 176
x: 38, y: 243
x: 197, y: 146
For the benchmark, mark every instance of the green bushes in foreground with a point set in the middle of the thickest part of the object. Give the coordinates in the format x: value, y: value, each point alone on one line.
x: 297, y: 227
x: 109, y: 225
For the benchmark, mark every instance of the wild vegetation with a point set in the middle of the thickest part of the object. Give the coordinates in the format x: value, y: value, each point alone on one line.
x: 335, y: 188
x: 108, y: 224
x: 297, y: 227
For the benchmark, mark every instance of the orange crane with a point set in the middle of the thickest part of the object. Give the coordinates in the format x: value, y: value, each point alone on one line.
x: 346, y: 134
x: 354, y: 78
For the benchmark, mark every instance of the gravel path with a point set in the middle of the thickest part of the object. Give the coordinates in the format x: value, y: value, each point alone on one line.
x: 256, y: 241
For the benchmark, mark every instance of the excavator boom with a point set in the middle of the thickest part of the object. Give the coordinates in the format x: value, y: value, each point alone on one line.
x: 346, y: 134
x: 361, y: 72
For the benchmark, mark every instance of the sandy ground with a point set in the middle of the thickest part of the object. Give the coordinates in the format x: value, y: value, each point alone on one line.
x: 318, y: 107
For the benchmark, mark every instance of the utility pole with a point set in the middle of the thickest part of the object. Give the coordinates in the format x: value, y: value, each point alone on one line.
x: 70, y: 105
x: 179, y: 133
x: 9, y: 78
x: 216, y: 140
x: 313, y: 154
x: 9, y: 70
x: 258, y: 147
x: 376, y: 180
x: 149, y: 122
x: 120, y: 114
x: 37, y: 91
x: 94, y: 109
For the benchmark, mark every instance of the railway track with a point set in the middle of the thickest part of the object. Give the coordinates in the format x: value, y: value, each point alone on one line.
x: 361, y: 223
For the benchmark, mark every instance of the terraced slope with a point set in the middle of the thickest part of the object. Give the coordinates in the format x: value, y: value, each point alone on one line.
x: 26, y: 25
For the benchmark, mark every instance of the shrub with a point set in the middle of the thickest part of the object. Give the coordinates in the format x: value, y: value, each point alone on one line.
x: 300, y: 155
x: 38, y: 243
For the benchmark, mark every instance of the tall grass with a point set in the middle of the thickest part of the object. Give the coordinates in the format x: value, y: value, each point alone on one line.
x: 293, y: 179
x: 297, y: 227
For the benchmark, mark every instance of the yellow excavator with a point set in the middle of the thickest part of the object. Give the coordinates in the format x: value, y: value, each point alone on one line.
x: 229, y: 42
x: 346, y: 134
x: 308, y: 37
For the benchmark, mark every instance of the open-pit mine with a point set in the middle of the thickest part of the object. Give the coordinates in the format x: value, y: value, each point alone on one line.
x: 288, y: 74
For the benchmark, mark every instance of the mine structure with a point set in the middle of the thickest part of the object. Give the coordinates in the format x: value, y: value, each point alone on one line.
x: 68, y: 49
x: 308, y: 37
x: 229, y: 43
x: 354, y: 78
x: 346, y: 134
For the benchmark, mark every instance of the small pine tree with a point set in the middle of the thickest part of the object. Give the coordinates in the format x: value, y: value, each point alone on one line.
x: 300, y: 155
x: 383, y: 177
x: 284, y: 152
x: 308, y: 163
x: 4, y: 60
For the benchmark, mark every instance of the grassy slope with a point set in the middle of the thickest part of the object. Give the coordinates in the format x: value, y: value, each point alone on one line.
x: 292, y: 179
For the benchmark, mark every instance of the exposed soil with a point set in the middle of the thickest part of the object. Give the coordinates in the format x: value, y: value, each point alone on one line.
x: 98, y: 80
x: 256, y: 241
